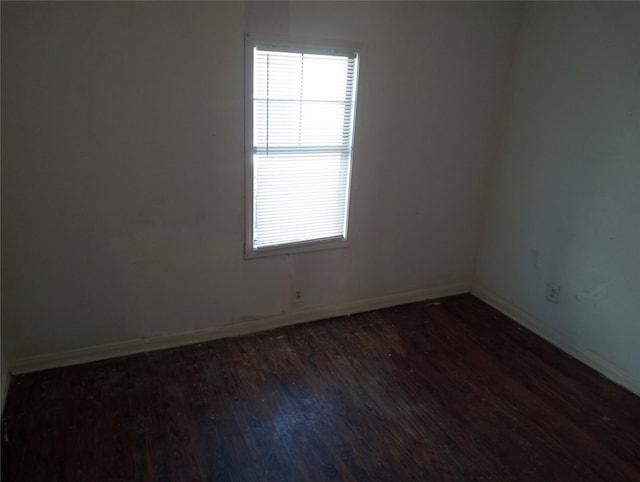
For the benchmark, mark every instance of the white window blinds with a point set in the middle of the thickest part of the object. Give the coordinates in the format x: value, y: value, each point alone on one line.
x: 303, y: 113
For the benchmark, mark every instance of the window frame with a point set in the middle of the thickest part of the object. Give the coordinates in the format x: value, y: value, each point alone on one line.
x: 299, y: 246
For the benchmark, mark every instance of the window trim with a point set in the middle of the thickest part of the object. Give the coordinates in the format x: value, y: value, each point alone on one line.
x: 348, y: 48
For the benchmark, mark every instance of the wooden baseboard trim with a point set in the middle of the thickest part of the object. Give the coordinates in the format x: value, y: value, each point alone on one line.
x: 558, y: 339
x: 45, y: 361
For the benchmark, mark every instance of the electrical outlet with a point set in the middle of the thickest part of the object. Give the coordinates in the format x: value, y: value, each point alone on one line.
x: 553, y: 293
x: 296, y: 295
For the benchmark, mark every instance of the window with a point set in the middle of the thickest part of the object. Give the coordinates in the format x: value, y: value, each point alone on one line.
x: 301, y: 106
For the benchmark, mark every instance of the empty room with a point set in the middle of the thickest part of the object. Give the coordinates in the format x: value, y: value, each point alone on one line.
x: 309, y: 241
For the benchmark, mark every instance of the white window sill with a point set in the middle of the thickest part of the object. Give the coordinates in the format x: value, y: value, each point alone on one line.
x: 251, y: 253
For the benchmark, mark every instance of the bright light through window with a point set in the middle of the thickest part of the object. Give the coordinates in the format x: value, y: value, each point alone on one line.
x: 303, y: 112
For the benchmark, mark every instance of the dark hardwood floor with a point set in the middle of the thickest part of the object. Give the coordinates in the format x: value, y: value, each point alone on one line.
x: 444, y: 390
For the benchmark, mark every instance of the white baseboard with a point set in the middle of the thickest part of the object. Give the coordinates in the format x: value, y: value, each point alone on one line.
x: 558, y: 339
x: 76, y: 356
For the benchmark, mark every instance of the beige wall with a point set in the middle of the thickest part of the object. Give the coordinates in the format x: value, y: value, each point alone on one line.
x: 122, y: 169
x: 565, y: 203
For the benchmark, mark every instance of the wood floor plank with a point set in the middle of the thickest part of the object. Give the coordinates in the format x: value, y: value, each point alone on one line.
x: 613, y: 420
x: 448, y: 389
